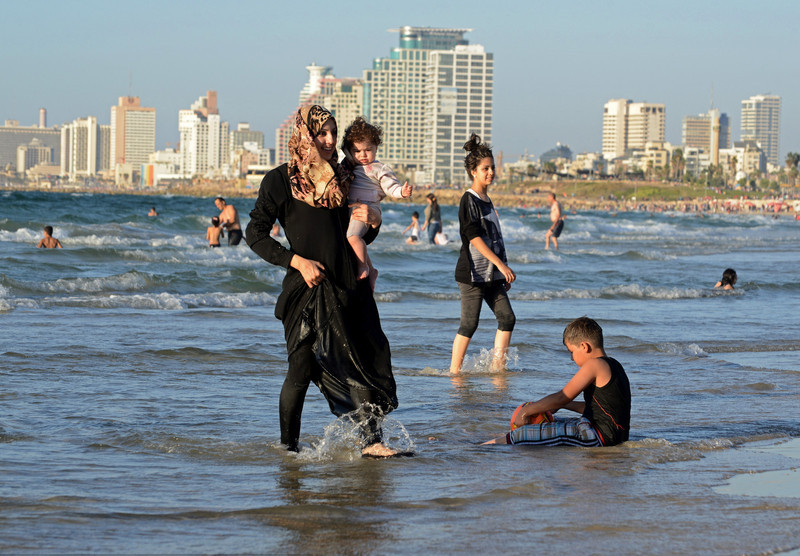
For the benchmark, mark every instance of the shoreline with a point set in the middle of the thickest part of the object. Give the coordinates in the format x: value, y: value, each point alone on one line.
x: 572, y: 194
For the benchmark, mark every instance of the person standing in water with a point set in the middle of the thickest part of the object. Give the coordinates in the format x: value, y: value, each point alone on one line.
x: 482, y: 270
x: 557, y: 219
x: 229, y: 218
x: 433, y: 218
x: 48, y: 241
x: 331, y: 323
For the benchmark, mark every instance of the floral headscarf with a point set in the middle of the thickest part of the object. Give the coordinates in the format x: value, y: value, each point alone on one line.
x: 314, y: 181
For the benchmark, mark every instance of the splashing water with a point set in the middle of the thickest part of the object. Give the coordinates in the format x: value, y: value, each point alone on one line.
x: 342, y: 439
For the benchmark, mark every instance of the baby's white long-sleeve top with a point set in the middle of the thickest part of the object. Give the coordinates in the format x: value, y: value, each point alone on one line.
x: 372, y: 182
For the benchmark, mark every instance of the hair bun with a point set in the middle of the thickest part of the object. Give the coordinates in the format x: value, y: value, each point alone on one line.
x: 473, y: 143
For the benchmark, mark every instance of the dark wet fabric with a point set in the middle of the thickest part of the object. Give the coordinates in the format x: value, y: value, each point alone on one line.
x: 336, y: 322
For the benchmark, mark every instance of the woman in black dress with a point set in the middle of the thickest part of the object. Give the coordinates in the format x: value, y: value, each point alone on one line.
x: 331, y: 323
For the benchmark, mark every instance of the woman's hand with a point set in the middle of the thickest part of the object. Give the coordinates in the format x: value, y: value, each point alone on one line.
x: 366, y: 213
x: 312, y: 271
x: 509, y: 274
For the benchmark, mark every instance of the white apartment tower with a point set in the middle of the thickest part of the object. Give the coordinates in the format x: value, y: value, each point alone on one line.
x: 85, y: 148
x: 615, y: 119
x: 425, y: 103
x: 203, y: 137
x: 631, y: 125
x: 460, y: 95
x: 133, y: 133
x: 761, y: 119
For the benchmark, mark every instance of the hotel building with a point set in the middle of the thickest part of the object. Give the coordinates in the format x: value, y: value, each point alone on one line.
x: 85, y: 148
x: 428, y: 95
x: 709, y: 132
x: 13, y: 135
x: 203, y: 137
x: 133, y: 133
x: 761, y: 119
x: 631, y: 125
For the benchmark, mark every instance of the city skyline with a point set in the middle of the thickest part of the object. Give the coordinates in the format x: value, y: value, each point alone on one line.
x: 555, y: 66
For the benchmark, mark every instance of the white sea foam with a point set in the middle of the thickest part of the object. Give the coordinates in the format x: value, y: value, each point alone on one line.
x: 130, y: 281
x: 163, y: 301
x: 634, y: 291
x: 342, y: 440
x: 691, y: 350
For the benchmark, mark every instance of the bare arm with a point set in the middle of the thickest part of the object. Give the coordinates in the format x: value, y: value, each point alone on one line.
x: 594, y: 370
x: 484, y: 250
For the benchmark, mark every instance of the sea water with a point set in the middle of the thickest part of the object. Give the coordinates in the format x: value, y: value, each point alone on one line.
x: 140, y: 374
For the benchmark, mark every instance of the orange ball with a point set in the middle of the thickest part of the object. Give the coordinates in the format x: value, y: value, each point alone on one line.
x: 535, y: 419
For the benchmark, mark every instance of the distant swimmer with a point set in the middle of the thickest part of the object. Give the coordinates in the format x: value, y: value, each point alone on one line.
x: 214, y: 232
x: 153, y: 212
x: 229, y: 218
x: 48, y: 241
x: 557, y: 219
x: 728, y: 279
x: 414, y: 227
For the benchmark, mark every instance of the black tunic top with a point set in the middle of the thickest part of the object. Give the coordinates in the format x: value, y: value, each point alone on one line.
x: 339, y: 316
x: 609, y: 407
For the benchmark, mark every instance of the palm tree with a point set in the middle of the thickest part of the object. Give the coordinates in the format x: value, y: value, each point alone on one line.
x: 792, y: 161
x: 733, y: 162
x: 678, y: 164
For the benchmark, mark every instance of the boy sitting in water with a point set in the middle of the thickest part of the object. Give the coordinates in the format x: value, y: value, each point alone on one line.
x: 372, y: 181
x: 214, y: 232
x: 605, y: 411
x: 48, y: 241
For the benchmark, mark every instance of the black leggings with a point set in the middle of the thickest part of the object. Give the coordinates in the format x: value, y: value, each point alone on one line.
x: 304, y: 369
x: 472, y: 296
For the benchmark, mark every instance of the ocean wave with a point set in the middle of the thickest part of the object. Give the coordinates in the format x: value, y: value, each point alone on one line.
x: 691, y: 350
x: 628, y: 291
x: 155, y: 301
x: 129, y: 281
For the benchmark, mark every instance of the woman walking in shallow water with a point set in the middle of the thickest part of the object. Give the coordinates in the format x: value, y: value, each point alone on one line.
x: 331, y: 323
x: 482, y: 271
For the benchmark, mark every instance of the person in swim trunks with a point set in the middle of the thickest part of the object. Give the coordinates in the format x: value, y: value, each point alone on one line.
x: 214, y: 232
x: 229, y: 218
x: 605, y: 411
x: 557, y: 219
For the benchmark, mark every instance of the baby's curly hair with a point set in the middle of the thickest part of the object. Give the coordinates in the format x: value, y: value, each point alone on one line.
x: 361, y: 130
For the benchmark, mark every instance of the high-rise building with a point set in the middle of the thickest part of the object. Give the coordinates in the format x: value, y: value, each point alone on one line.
x: 243, y: 134
x: 32, y: 154
x: 645, y: 124
x: 615, y: 126
x: 313, y: 87
x: 709, y: 132
x: 13, y: 135
x: 85, y: 148
x: 203, y: 137
x: 458, y: 101
x: 631, y: 125
x: 761, y: 119
x: 133, y: 133
x: 344, y: 97
x: 414, y: 97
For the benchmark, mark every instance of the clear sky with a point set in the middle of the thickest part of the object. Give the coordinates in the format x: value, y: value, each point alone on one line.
x: 556, y: 63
